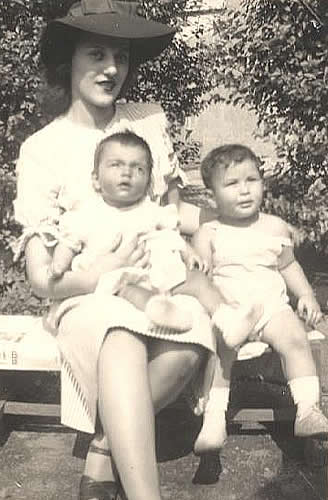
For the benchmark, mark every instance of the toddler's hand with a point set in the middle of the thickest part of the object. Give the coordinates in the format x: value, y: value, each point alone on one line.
x: 309, y: 309
x: 193, y: 260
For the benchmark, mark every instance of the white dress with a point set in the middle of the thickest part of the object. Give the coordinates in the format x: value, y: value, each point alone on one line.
x: 92, y: 229
x: 245, y: 268
x: 54, y: 174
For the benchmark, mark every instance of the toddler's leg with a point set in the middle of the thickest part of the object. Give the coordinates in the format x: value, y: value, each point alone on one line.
x: 213, y: 433
x: 234, y: 321
x: 286, y: 334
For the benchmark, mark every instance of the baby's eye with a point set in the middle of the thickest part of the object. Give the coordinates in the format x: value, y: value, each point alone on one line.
x: 231, y: 183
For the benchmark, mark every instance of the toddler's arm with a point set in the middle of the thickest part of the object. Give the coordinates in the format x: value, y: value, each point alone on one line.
x: 297, y: 283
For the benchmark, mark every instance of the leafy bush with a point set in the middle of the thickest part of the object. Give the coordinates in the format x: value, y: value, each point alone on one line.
x: 272, y: 57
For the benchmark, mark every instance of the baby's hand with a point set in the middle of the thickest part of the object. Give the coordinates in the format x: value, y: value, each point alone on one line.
x: 55, y: 271
x: 309, y: 309
x: 193, y: 260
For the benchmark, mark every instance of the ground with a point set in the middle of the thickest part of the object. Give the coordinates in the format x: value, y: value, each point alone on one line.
x: 38, y: 464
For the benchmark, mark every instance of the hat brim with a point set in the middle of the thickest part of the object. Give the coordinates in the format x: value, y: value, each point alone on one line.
x: 149, y: 38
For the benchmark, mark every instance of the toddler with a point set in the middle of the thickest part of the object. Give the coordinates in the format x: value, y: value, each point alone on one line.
x: 251, y: 260
x: 122, y: 206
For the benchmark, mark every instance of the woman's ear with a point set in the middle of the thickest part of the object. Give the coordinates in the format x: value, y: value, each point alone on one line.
x: 95, y: 183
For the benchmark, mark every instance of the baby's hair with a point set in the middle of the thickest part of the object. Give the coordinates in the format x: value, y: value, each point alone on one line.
x: 223, y: 157
x: 125, y: 138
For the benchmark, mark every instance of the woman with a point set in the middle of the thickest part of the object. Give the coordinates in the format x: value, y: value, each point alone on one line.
x: 92, y: 55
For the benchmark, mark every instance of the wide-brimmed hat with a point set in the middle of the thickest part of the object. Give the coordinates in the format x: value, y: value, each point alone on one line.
x: 113, y: 18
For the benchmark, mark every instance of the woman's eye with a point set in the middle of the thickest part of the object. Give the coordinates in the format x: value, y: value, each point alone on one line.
x: 97, y: 55
x: 121, y: 57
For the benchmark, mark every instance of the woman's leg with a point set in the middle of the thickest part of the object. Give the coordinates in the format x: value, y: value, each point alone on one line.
x: 128, y: 393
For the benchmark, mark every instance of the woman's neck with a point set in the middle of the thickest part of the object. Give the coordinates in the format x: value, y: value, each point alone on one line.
x: 90, y: 116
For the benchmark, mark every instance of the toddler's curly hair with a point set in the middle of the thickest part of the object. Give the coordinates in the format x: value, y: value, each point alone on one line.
x: 223, y: 157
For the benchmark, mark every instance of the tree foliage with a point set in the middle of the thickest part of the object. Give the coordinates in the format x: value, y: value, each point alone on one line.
x: 272, y: 57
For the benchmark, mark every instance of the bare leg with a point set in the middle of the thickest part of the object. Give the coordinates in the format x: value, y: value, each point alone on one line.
x: 127, y: 410
x: 235, y: 322
x: 292, y: 346
x: 160, y: 309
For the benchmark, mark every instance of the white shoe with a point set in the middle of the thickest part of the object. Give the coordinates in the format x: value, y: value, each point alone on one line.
x: 314, y: 424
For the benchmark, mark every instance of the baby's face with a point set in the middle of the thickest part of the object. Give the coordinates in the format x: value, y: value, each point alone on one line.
x: 123, y: 174
x: 238, y: 191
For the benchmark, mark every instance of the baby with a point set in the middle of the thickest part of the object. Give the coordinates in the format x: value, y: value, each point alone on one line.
x: 122, y: 207
x: 251, y: 260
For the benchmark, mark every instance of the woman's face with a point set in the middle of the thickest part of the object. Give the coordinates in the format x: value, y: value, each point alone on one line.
x: 99, y: 68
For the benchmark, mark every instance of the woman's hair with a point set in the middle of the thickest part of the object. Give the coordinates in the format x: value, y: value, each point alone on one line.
x: 125, y: 138
x: 224, y: 157
x: 58, y: 71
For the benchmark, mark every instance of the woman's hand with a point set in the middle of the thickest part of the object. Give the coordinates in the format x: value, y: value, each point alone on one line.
x: 130, y: 253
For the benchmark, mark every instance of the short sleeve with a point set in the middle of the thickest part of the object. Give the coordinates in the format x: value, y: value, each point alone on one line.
x: 71, y: 229
x: 37, y: 187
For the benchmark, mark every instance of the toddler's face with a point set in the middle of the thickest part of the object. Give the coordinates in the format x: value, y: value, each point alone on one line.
x: 238, y: 190
x: 123, y: 174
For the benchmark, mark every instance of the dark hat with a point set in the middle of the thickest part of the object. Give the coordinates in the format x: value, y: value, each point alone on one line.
x: 113, y: 18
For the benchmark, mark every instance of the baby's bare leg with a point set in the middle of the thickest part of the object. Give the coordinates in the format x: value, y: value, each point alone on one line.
x: 160, y: 309
x: 286, y: 335
x: 234, y: 321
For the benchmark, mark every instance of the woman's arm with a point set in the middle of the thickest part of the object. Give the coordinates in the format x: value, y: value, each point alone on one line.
x: 202, y: 243
x: 191, y: 216
x: 38, y: 259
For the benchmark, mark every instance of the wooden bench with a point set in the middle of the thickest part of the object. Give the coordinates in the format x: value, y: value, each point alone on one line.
x: 26, y: 347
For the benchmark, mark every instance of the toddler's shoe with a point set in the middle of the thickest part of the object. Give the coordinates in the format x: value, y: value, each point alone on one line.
x: 213, y: 433
x: 313, y: 424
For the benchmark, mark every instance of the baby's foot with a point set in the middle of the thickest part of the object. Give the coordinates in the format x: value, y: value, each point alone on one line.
x: 236, y: 324
x: 163, y: 311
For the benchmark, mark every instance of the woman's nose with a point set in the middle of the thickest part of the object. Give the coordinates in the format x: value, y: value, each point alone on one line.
x: 110, y: 66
